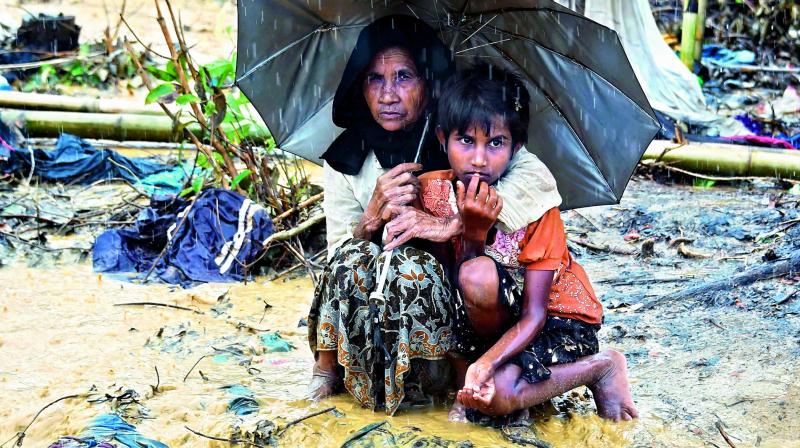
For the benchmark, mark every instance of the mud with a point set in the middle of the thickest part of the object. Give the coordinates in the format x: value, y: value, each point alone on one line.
x: 691, y: 365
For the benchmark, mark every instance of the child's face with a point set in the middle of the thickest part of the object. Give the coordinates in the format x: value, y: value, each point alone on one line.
x: 476, y: 153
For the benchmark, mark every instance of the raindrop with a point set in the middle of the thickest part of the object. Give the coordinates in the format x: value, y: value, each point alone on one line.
x: 262, y: 16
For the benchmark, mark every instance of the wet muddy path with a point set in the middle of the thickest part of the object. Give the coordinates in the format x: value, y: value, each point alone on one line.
x: 692, y: 366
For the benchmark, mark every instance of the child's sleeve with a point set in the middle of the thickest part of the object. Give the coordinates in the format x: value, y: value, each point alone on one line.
x: 545, y: 243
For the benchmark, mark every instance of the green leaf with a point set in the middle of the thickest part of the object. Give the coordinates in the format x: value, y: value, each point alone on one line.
x: 704, y: 183
x: 160, y: 91
x: 202, y: 161
x: 186, y: 99
x: 186, y: 192
x: 239, y: 177
x: 171, y: 69
x: 197, y: 184
x: 161, y: 75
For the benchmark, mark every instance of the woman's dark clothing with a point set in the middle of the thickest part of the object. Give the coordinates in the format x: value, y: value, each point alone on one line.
x: 362, y: 134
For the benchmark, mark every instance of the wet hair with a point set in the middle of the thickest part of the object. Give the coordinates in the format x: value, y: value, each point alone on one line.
x: 477, y: 95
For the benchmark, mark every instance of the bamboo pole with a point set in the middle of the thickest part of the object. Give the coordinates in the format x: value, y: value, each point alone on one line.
x: 688, y: 33
x: 152, y: 128
x: 37, y: 101
x: 726, y: 160
x: 700, y: 30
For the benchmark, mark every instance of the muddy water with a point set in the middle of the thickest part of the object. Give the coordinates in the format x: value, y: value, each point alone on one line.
x: 60, y: 334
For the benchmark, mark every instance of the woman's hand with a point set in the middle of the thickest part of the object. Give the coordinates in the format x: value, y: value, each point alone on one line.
x: 479, y: 206
x: 479, y: 389
x: 413, y: 223
x: 396, y: 188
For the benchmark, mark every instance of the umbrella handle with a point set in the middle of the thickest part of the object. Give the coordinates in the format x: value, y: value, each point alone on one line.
x: 422, y: 138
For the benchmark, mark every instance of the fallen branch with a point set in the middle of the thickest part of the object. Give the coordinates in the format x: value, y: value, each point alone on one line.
x: 297, y: 266
x: 295, y: 231
x: 296, y: 421
x: 195, y: 365
x: 603, y: 248
x: 231, y: 440
x: 305, y: 204
x: 167, y: 305
x: 689, y: 253
x: 20, y: 436
x: 362, y: 432
x: 55, y: 61
x: 724, y: 434
x: 763, y: 272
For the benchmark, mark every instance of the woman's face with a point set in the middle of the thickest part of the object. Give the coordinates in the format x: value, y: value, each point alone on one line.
x: 394, y: 91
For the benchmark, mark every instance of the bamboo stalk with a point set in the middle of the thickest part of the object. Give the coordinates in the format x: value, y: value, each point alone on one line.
x: 700, y: 29
x: 152, y: 128
x: 688, y: 33
x: 37, y: 101
x: 727, y: 160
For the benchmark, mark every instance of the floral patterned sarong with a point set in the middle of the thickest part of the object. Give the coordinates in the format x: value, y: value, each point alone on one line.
x: 376, y: 340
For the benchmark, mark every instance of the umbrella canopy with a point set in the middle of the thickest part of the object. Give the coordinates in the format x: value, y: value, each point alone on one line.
x: 590, y: 119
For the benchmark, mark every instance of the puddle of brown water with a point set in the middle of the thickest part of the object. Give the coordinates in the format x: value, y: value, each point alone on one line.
x: 60, y: 334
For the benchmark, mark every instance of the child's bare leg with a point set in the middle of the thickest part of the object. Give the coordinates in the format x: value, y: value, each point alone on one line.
x: 324, y: 375
x: 478, y: 283
x: 604, y: 373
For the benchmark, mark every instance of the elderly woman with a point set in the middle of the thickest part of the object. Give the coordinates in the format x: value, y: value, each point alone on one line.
x: 367, y: 343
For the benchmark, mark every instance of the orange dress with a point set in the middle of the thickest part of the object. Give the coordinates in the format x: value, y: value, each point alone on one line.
x: 542, y: 245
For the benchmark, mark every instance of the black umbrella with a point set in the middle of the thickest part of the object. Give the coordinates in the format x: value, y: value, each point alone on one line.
x: 590, y: 120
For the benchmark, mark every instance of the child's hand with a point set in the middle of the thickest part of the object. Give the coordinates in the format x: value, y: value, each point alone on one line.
x: 479, y: 389
x: 479, y: 206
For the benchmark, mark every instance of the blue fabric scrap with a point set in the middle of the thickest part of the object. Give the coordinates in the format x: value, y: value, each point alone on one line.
x: 113, y: 427
x: 220, y: 237
x: 75, y: 161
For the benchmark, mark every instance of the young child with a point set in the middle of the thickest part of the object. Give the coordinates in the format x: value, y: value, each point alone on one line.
x: 526, y: 316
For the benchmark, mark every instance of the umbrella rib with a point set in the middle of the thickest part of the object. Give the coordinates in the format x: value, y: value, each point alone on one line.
x: 482, y: 45
x: 569, y: 125
x: 479, y: 28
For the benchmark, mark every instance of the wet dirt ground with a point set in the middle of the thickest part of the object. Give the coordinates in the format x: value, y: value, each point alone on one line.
x: 733, y: 363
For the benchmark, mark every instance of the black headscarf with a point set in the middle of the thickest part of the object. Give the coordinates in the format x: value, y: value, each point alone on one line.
x: 362, y: 134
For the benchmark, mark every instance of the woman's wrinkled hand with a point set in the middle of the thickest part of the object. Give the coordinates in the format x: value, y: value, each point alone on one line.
x: 479, y: 206
x: 394, y: 189
x: 412, y: 223
x: 479, y: 387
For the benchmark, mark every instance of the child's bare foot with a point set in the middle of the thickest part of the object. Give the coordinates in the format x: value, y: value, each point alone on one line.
x: 323, y: 383
x: 611, y: 392
x: 458, y: 412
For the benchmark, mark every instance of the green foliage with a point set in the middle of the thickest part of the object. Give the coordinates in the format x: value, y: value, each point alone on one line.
x: 90, y: 69
x: 241, y: 176
x: 704, y: 183
x: 186, y: 98
x: 159, y: 92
